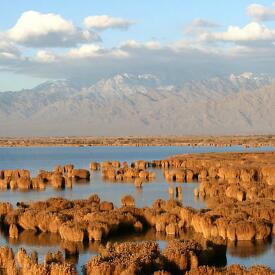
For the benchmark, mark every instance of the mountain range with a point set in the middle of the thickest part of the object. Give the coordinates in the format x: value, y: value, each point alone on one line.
x: 129, y: 104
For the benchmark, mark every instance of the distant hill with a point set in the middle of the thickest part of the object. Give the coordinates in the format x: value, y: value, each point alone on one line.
x: 141, y: 105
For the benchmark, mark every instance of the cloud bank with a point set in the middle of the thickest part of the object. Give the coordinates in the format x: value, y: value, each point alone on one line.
x: 61, y: 49
x: 251, y: 32
x: 34, y: 29
x: 261, y: 13
x: 103, y: 22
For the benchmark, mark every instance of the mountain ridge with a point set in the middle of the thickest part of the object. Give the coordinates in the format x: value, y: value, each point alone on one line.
x: 141, y: 104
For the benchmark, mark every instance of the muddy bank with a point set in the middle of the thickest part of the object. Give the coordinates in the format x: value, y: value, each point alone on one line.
x: 254, y: 141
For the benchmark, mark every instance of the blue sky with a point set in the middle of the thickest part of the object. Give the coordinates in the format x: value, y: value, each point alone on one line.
x: 160, y: 22
x: 159, y: 19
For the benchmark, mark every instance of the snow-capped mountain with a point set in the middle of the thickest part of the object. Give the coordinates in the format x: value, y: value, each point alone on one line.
x: 129, y: 104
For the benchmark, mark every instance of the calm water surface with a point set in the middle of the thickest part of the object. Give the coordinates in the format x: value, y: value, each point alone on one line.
x: 35, y: 158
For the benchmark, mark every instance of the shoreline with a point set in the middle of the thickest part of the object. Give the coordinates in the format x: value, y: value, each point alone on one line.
x: 211, y: 141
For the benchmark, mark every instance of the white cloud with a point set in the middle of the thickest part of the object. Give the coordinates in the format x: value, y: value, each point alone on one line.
x: 89, y: 63
x: 87, y: 50
x: 199, y: 25
x: 95, y: 51
x: 8, y: 50
x: 172, y: 63
x: 119, y: 53
x: 131, y: 43
x: 44, y: 56
x: 35, y: 29
x: 202, y: 23
x: 102, y: 22
x: 261, y: 13
x: 135, y: 44
x: 251, y: 32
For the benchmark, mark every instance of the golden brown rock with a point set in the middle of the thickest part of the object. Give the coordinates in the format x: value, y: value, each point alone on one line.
x: 13, y: 231
x: 128, y: 200
x: 81, y: 174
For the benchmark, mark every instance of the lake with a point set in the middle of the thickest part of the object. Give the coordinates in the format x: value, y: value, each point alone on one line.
x: 35, y: 158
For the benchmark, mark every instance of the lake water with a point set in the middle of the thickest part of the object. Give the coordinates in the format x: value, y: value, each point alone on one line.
x: 35, y: 158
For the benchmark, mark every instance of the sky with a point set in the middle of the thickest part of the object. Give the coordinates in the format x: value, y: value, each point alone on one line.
x: 176, y: 40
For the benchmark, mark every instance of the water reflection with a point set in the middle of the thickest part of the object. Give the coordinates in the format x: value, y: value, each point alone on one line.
x: 246, y: 253
x: 245, y: 249
x: 35, y: 158
x: 112, y: 191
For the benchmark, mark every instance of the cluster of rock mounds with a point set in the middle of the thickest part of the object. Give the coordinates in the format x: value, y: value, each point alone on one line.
x: 60, y: 177
x: 240, y: 190
x: 234, y: 221
x: 145, y: 258
x: 233, y: 269
x: 74, y: 221
x: 238, y: 176
x: 240, y: 171
x: 93, y: 220
x: 25, y: 264
x: 131, y: 258
x: 179, y: 257
x: 235, y: 191
x: 230, y: 221
x: 121, y: 172
x: 231, y: 167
